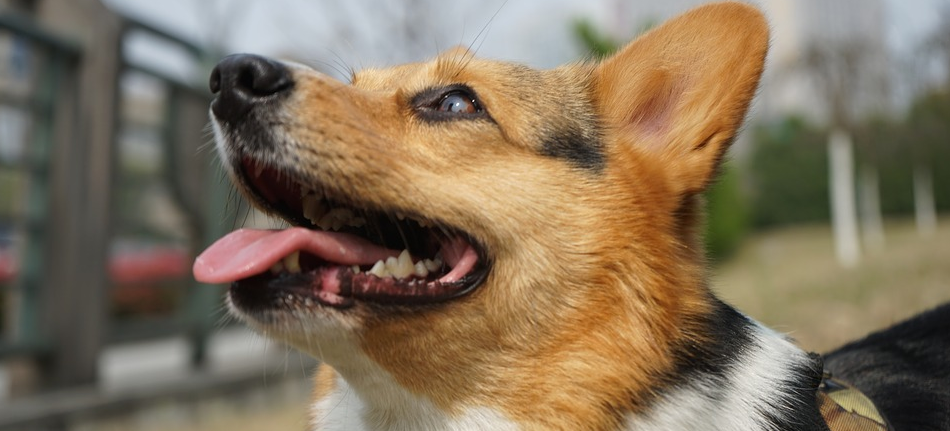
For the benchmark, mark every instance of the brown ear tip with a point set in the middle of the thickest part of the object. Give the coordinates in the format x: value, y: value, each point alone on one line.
x: 745, y: 13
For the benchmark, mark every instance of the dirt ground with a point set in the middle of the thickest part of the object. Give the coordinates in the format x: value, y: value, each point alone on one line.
x: 789, y: 280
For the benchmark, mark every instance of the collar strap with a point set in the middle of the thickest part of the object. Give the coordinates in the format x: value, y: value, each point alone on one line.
x: 845, y: 408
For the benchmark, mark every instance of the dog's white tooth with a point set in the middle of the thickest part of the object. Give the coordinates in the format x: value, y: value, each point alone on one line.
x: 337, y: 224
x: 400, y: 216
x: 312, y: 207
x: 391, y: 263
x: 420, y: 269
x: 357, y: 222
x: 310, y: 204
x: 355, y: 269
x: 378, y: 269
x: 277, y: 267
x: 402, y: 267
x: 292, y: 262
x: 326, y: 222
x: 424, y: 223
x: 433, y: 265
x: 335, y: 218
x: 405, y: 257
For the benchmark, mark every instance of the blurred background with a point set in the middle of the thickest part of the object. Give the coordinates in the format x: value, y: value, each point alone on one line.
x: 829, y: 220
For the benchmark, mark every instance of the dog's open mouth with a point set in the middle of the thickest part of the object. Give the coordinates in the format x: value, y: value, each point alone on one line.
x: 338, y: 254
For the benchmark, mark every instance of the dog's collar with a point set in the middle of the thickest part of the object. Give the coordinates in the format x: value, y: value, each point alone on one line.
x: 845, y: 408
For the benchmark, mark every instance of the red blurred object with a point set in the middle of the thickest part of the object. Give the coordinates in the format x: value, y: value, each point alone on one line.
x: 9, y: 264
x: 130, y: 267
x: 149, y: 265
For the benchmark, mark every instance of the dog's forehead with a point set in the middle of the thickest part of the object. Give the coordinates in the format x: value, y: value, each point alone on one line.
x: 452, y: 67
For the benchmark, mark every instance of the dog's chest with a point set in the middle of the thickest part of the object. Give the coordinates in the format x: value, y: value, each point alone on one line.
x: 345, y: 410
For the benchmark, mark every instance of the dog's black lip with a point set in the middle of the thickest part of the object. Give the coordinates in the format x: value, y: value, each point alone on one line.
x: 266, y: 292
x: 470, y: 282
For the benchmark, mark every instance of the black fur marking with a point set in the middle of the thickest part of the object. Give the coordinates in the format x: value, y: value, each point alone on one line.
x: 904, y: 369
x: 730, y: 341
x: 577, y: 148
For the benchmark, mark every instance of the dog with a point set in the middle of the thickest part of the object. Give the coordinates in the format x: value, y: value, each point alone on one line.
x: 478, y: 245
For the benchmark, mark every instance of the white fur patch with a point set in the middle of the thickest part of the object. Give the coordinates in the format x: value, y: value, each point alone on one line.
x: 394, y: 409
x: 752, y: 388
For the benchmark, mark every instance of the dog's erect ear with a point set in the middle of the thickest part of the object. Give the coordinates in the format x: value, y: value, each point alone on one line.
x: 681, y: 90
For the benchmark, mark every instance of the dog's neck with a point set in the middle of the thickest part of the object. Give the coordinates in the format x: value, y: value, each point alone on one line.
x: 747, y: 377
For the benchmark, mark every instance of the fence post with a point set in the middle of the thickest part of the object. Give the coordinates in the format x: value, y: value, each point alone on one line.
x: 77, y: 282
x: 186, y: 117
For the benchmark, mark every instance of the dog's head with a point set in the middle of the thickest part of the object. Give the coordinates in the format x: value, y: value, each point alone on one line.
x: 482, y: 230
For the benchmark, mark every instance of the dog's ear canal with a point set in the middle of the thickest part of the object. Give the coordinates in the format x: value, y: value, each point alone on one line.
x: 681, y: 90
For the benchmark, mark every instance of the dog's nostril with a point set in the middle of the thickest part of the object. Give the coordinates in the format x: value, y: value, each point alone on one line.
x: 243, y: 81
x: 260, y: 76
x: 214, y: 83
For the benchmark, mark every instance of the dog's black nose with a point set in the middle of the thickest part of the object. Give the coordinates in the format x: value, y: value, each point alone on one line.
x: 243, y: 81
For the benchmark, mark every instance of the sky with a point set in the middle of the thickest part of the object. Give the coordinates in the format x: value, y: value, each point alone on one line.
x: 367, y: 33
x: 336, y: 37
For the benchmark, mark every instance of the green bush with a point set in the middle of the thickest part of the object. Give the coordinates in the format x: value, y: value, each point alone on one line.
x: 727, y: 216
x: 788, y: 175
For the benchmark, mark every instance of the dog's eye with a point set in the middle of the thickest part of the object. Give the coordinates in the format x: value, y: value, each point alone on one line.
x: 449, y: 103
x: 457, y: 102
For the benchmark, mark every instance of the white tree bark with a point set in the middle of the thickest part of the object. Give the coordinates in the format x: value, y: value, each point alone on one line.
x: 925, y: 210
x: 844, y: 218
x: 869, y: 198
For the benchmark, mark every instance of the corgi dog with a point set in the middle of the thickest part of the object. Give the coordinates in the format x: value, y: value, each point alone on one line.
x: 479, y: 245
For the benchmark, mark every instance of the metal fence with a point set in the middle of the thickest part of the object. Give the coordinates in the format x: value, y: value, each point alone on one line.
x: 165, y: 201
x: 40, y: 67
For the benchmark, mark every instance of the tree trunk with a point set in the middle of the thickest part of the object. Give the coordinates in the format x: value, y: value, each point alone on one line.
x: 869, y: 197
x: 925, y: 210
x: 844, y: 218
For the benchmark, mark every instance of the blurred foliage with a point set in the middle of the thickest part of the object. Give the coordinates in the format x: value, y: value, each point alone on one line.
x: 788, y: 173
x: 789, y: 164
x: 597, y: 44
x: 727, y: 214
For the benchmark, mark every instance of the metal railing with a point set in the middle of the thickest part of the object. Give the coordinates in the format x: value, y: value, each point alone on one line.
x: 168, y: 200
x: 41, y: 68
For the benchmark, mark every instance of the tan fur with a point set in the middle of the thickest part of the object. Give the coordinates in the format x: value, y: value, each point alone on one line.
x: 597, y: 276
x: 324, y: 381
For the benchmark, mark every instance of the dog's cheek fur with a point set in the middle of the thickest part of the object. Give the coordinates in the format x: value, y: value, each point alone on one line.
x: 550, y: 327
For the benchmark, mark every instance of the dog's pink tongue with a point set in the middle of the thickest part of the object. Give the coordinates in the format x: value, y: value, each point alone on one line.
x: 248, y: 252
